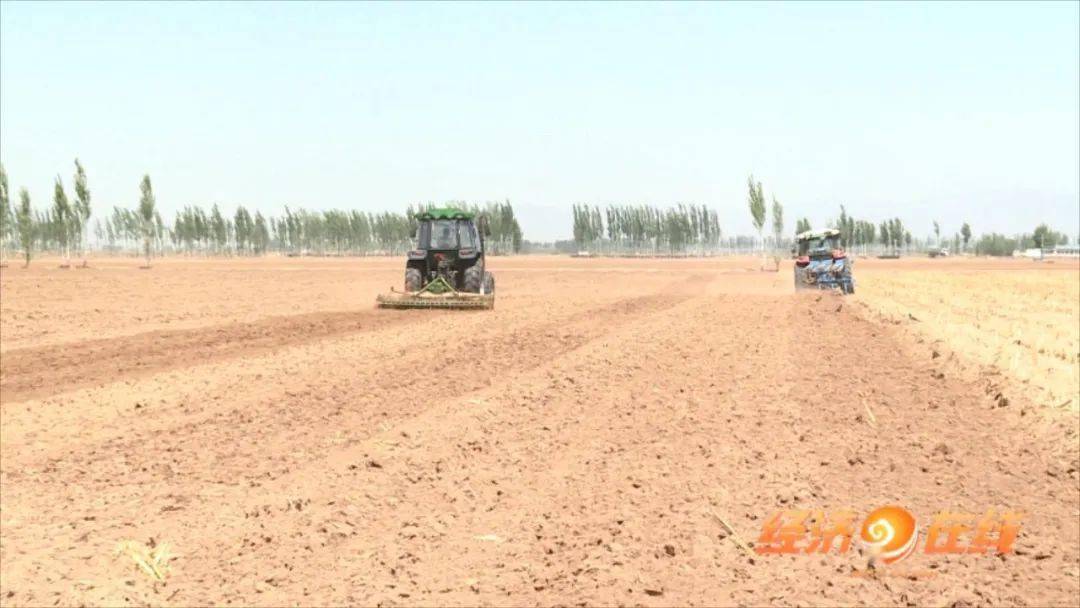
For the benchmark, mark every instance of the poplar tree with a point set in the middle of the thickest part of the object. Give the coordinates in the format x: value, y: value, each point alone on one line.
x: 146, y: 214
x: 777, y: 221
x: 61, y: 220
x: 80, y: 215
x: 26, y: 227
x: 757, y: 212
x: 7, y: 220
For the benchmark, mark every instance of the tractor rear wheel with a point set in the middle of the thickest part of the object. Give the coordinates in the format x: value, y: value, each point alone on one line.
x: 489, y: 283
x: 473, y: 276
x: 413, y: 279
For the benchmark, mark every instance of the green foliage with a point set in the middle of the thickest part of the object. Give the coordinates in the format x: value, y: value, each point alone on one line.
x: 757, y: 204
x: 146, y: 200
x: 260, y: 236
x: 1045, y: 238
x: 640, y: 228
x: 863, y: 233
x: 243, y: 229
x: 61, y: 223
x: 80, y: 212
x: 7, y: 218
x: 26, y: 224
x: 965, y: 232
x: 777, y: 221
x: 846, y: 226
x: 148, y: 215
x: 802, y: 226
x: 995, y: 244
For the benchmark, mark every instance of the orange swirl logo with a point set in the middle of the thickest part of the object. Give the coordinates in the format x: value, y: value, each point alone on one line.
x: 889, y: 533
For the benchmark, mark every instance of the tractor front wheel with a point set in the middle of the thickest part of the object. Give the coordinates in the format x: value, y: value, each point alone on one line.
x: 489, y: 283
x: 413, y: 280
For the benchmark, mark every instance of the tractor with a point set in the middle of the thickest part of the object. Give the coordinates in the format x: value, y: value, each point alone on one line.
x: 822, y: 263
x: 447, y: 269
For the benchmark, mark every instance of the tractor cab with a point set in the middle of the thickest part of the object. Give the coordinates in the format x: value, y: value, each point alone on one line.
x: 818, y: 245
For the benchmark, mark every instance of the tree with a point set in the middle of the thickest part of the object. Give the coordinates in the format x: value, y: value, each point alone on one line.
x: 219, y: 229
x: 25, y: 220
x: 802, y: 226
x: 937, y: 233
x: 757, y: 210
x: 1044, y: 237
x: 146, y: 213
x: 81, y: 213
x: 62, y: 220
x: 965, y: 232
x: 7, y: 221
x: 846, y: 226
x: 777, y: 222
x: 995, y: 244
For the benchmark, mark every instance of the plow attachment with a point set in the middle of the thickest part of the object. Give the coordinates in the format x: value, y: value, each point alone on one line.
x: 436, y: 294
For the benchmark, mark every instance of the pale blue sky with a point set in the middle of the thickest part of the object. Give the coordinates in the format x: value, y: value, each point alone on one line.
x: 948, y: 111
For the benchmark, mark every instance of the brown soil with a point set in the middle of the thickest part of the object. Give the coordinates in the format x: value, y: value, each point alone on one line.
x: 293, y: 445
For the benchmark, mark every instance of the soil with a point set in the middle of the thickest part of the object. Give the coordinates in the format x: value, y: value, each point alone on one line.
x: 579, y: 444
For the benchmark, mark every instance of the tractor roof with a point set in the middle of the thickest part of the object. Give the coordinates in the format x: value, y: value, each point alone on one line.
x: 444, y: 213
x: 817, y: 234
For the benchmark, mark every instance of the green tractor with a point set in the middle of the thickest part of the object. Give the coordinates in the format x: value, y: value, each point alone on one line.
x: 447, y: 269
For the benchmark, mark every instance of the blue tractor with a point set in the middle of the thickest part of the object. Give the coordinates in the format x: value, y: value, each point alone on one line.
x: 821, y: 263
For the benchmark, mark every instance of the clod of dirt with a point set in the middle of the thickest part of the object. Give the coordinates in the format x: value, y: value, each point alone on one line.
x: 654, y: 592
x: 935, y: 355
x: 942, y: 449
x: 670, y: 550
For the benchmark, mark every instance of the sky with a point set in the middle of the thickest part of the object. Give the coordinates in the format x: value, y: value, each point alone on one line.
x: 948, y: 112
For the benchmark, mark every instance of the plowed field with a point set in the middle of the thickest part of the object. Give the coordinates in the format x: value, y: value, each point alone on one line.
x: 579, y: 444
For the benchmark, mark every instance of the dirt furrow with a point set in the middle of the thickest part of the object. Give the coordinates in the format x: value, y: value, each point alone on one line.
x: 177, y: 475
x: 32, y: 373
x: 574, y: 446
x: 589, y: 481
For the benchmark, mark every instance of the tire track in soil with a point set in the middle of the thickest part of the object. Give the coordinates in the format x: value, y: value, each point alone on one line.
x: 252, y: 444
x: 311, y: 389
x: 310, y: 410
x: 34, y: 373
x: 585, y: 485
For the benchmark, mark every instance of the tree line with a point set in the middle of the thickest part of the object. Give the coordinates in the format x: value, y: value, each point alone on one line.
x: 635, y: 229
x: 196, y: 230
x: 617, y: 229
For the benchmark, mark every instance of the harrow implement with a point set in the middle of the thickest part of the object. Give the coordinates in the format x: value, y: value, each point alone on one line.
x: 438, y: 293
